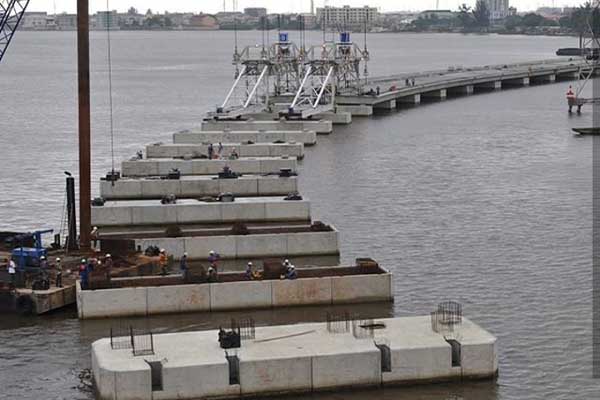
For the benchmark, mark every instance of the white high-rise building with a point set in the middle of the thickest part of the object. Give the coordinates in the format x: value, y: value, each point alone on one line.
x: 346, y: 15
x: 498, y: 9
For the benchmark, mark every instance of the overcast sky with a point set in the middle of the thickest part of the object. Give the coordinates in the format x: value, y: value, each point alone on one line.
x: 212, y: 6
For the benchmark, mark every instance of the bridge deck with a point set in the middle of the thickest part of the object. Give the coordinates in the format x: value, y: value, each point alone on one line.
x: 396, y: 86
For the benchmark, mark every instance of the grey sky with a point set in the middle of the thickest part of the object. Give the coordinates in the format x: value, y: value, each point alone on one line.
x: 211, y: 6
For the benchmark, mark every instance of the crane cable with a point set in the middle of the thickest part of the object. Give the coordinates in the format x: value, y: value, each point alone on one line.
x: 110, y: 93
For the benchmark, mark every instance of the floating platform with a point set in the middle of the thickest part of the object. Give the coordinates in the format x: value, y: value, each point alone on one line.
x: 307, y: 137
x: 587, y: 131
x: 144, y: 296
x: 28, y: 301
x: 191, y: 211
x: 189, y: 149
x: 287, y: 359
x: 244, y: 165
x: 318, y: 126
x: 198, y: 186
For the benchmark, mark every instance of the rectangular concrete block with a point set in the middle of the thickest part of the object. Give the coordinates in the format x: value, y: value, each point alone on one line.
x: 356, y: 110
x: 106, y: 216
x: 199, y: 212
x: 243, y: 211
x: 302, y: 292
x: 478, y: 359
x: 161, y: 188
x: 199, y: 247
x: 419, y: 363
x: 195, y: 381
x: 129, y: 189
x: 165, y: 166
x: 346, y: 370
x: 275, y: 375
x: 261, y: 245
x: 287, y: 210
x: 139, y: 168
x: 180, y: 298
x: 277, y: 186
x: 240, y: 185
x: 134, y: 385
x: 312, y: 243
x: 235, y: 295
x: 199, y: 188
x: 362, y: 288
x: 112, y: 302
x: 159, y: 214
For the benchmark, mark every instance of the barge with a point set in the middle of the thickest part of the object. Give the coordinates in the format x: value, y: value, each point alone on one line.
x: 150, y: 295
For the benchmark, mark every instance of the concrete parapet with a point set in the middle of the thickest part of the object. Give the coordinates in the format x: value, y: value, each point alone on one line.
x: 319, y: 126
x: 248, y: 165
x: 185, y: 147
x: 249, y: 246
x: 307, y: 137
x: 292, y: 358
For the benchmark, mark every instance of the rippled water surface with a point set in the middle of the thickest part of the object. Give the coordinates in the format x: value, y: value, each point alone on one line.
x: 483, y: 199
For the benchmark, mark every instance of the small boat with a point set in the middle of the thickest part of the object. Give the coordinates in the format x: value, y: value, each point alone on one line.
x: 587, y: 131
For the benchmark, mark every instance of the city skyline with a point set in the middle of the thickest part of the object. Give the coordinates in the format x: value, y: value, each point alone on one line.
x: 278, y: 6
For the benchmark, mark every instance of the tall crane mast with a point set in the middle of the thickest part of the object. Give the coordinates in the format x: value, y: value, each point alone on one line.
x: 11, y: 13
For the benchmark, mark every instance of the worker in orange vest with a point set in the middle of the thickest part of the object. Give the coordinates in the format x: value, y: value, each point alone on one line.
x: 162, y: 261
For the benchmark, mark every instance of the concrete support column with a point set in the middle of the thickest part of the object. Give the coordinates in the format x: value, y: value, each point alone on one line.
x: 386, y: 105
x: 462, y: 90
x: 494, y: 85
x: 412, y: 99
x: 436, y: 94
x: 516, y: 82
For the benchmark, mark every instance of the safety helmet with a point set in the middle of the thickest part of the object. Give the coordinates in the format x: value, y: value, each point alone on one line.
x: 108, y: 256
x: 212, y: 252
x: 57, y: 259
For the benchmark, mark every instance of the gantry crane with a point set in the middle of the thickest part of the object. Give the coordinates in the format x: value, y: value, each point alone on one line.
x: 11, y: 14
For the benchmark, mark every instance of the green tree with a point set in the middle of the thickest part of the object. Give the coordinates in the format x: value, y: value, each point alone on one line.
x: 481, y: 13
x: 531, y: 20
x: 513, y: 22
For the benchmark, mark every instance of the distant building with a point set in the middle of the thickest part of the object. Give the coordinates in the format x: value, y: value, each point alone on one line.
x: 346, y: 15
x: 256, y: 12
x: 66, y: 22
x: 131, y: 20
x: 499, y: 9
x: 34, y: 20
x: 203, y: 22
x: 229, y: 17
x: 439, y: 14
x: 107, y: 20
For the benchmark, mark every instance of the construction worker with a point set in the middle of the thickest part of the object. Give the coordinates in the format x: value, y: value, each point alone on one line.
x: 94, y: 238
x: 213, y: 257
x: 59, y: 270
x: 162, y: 261
x: 83, y: 273
x: 210, y: 151
x: 220, y: 149
x: 12, y: 271
x: 291, y: 273
x: 183, y: 266
x: 249, y: 272
x: 212, y: 274
x: 43, y: 262
x: 108, y: 262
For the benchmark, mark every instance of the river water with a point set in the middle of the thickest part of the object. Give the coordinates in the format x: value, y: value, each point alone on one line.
x: 484, y: 199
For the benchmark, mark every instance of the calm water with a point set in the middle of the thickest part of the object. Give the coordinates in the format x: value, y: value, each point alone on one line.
x: 485, y: 199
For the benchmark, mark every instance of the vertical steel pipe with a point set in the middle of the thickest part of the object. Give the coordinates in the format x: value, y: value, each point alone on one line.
x: 83, y: 75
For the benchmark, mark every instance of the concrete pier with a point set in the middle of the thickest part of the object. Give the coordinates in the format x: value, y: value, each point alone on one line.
x: 318, y: 126
x: 144, y: 296
x: 413, y: 99
x: 288, y: 243
x: 337, y: 118
x: 307, y: 137
x: 244, y: 165
x: 435, y: 95
x: 461, y: 90
x: 308, y: 357
x: 198, y: 186
x: 356, y: 110
x: 189, y: 151
x: 189, y: 211
x: 516, y: 82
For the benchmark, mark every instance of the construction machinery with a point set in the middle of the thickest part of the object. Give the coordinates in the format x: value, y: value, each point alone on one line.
x: 11, y: 14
